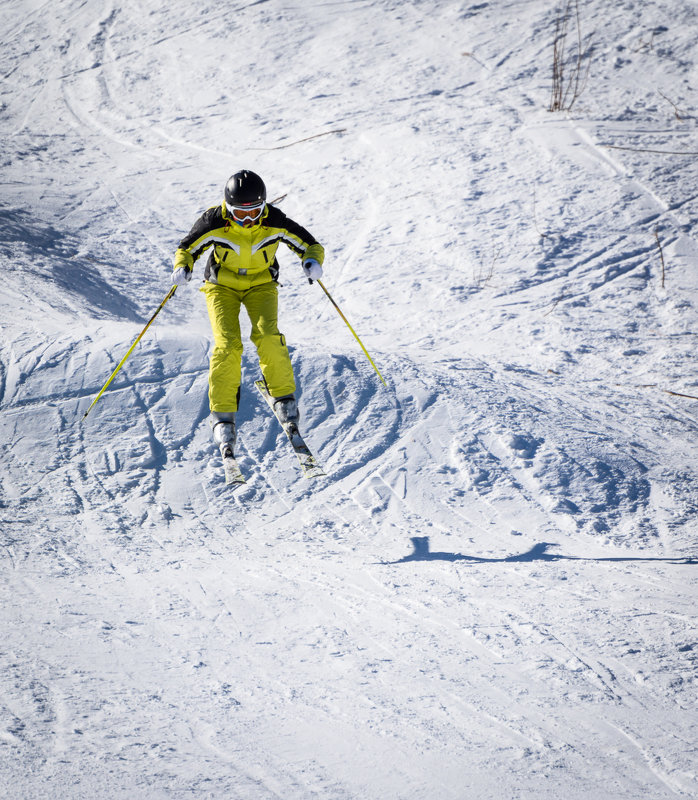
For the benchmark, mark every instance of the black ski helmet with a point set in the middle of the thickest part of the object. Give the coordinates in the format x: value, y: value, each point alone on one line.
x: 245, y: 188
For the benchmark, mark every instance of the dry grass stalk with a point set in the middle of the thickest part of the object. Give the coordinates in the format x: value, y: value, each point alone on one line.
x: 661, y: 254
x: 570, y: 73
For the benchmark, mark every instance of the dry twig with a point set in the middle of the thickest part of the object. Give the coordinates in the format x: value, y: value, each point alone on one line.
x: 646, y: 150
x: 291, y: 144
x: 483, y: 276
x: 676, y: 109
x: 661, y: 254
x: 566, y: 87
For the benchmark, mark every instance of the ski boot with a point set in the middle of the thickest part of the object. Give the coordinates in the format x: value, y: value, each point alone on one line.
x: 224, y: 434
x: 286, y: 410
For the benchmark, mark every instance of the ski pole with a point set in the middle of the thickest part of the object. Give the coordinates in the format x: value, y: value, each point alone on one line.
x: 339, y: 311
x: 130, y: 350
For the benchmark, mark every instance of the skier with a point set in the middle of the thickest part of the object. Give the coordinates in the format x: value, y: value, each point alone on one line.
x: 245, y: 231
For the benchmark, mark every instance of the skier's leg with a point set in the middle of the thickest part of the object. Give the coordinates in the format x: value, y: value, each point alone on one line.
x: 261, y: 303
x: 224, y: 372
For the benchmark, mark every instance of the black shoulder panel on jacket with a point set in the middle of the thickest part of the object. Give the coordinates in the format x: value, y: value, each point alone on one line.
x: 211, y: 219
x: 277, y: 219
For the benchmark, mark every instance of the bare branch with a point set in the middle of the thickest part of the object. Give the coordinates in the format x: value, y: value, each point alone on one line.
x: 646, y: 150
x: 676, y: 110
x: 307, y: 139
x: 661, y: 254
x: 567, y: 87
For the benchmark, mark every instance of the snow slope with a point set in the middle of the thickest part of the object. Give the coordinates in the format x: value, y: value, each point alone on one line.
x: 492, y: 594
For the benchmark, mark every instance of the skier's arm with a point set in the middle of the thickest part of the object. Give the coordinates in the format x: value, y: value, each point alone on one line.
x: 303, y: 242
x: 198, y: 239
x: 295, y: 236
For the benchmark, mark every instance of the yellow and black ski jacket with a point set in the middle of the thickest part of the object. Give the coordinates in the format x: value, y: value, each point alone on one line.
x: 244, y: 257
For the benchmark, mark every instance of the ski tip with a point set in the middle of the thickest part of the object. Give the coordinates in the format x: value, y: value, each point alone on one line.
x: 233, y: 473
x: 315, y: 473
x: 313, y: 470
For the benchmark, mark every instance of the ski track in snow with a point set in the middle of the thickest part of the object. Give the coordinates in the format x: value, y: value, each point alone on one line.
x: 492, y: 592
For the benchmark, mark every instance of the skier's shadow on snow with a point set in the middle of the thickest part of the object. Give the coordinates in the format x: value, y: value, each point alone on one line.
x: 539, y: 552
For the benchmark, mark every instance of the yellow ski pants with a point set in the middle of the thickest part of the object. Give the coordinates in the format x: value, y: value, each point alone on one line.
x: 261, y: 304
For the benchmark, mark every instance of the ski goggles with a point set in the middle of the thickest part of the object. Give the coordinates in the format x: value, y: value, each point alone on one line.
x: 241, y: 213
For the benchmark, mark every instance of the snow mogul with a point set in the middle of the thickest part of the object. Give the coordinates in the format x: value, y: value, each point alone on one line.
x: 244, y: 232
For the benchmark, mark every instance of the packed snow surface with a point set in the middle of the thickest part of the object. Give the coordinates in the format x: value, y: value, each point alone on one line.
x: 492, y: 593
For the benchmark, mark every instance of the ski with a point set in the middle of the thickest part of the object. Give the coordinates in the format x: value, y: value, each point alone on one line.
x: 307, y: 461
x: 233, y: 473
